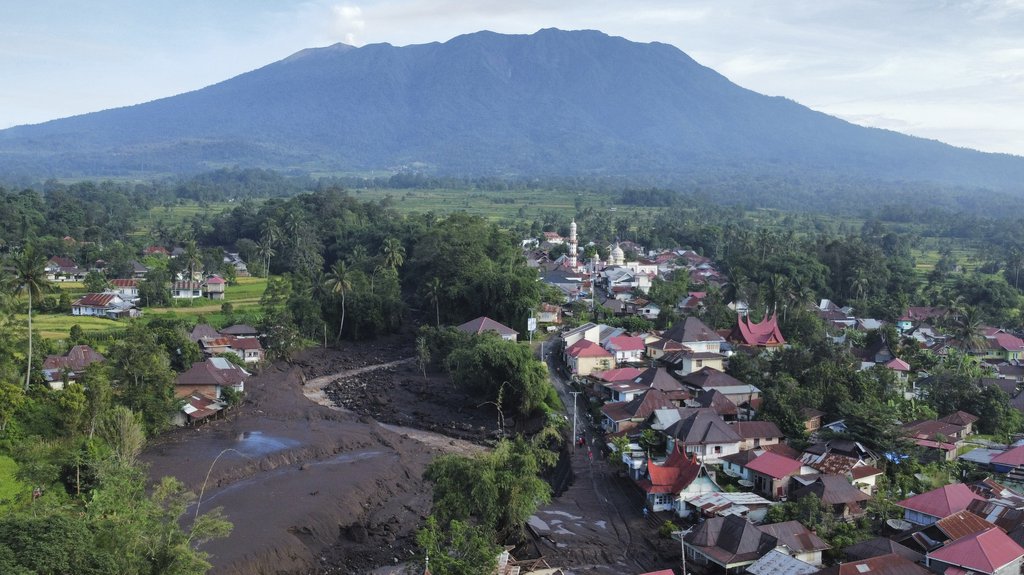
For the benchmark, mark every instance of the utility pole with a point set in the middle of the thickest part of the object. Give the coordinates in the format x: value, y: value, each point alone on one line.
x: 574, y: 394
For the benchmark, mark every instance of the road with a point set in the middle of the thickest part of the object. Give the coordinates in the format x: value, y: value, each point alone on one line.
x: 597, y: 525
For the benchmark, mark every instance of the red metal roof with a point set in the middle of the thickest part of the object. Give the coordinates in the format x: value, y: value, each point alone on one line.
x: 483, y: 324
x: 1011, y: 457
x: 941, y: 502
x: 587, y: 348
x: 95, y: 300
x: 774, y: 465
x: 626, y: 343
x: 985, y: 552
x: 617, y: 375
x: 123, y: 283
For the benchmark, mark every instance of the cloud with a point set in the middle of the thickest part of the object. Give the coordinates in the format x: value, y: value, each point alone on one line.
x: 347, y: 23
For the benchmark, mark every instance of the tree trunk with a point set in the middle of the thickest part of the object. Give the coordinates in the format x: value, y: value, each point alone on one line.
x: 28, y: 370
x: 437, y: 309
x: 341, y: 324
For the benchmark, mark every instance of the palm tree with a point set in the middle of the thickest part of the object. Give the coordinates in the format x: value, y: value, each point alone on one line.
x: 433, y: 291
x: 394, y: 253
x: 192, y: 259
x: 338, y: 281
x: 266, y: 251
x: 357, y: 255
x: 967, y: 332
x: 30, y: 277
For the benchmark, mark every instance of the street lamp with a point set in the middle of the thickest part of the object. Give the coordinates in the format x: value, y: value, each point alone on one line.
x: 682, y: 545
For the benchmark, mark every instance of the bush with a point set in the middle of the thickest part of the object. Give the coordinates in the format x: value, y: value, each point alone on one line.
x: 666, y: 529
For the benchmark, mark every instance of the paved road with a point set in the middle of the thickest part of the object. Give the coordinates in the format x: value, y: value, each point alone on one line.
x: 597, y: 525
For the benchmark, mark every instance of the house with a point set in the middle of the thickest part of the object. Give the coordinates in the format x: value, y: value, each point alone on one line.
x: 214, y: 287
x: 878, y: 547
x: 709, y: 378
x: 62, y: 269
x: 240, y: 330
x: 916, y: 315
x: 990, y: 552
x: 203, y: 331
x: 963, y: 419
x: 247, y: 348
x: 801, y: 542
x: 626, y: 348
x: 687, y: 361
x: 778, y: 562
x: 741, y: 504
x: 754, y: 434
x: 109, y: 305
x: 695, y: 335
x: 864, y: 477
x: 588, y: 331
x: 484, y: 324
x: 139, y: 271
x: 1003, y: 345
x: 624, y: 416
x: 713, y: 399
x: 197, y: 409
x: 585, y: 357
x: 727, y: 544
x: 812, y: 419
x: 235, y: 260
x: 889, y: 564
x: 680, y: 478
x: 928, y: 507
x: 837, y: 456
x: 209, y: 378
x: 927, y: 538
x: 847, y: 501
x: 57, y: 368
x: 771, y: 473
x: 659, y: 378
x: 128, y: 289
x: 549, y: 313
x: 704, y: 433
x: 1009, y: 460
x: 156, y: 251
x: 650, y: 311
x: 186, y: 289
x: 764, y: 335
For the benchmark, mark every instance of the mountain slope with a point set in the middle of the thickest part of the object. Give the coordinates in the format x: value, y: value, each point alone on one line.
x: 554, y: 102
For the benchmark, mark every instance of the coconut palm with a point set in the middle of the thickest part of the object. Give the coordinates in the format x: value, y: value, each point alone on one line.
x: 433, y: 290
x: 30, y: 278
x: 338, y: 281
x: 265, y: 249
x: 394, y: 253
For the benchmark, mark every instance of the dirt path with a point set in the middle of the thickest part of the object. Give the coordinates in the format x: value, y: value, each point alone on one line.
x: 596, y: 526
x: 314, y: 388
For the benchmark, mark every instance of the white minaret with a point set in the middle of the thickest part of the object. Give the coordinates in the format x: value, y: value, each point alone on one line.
x: 573, y: 243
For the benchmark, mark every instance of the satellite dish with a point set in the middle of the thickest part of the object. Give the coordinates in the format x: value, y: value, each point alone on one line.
x: 745, y: 483
x: 899, y: 524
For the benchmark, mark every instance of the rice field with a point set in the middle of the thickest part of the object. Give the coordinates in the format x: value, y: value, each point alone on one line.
x: 242, y: 296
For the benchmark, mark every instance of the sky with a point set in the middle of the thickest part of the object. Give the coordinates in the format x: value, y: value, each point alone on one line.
x: 942, y: 69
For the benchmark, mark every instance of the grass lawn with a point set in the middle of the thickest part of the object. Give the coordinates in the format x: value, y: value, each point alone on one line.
x: 177, y: 214
x: 58, y: 326
x: 10, y: 488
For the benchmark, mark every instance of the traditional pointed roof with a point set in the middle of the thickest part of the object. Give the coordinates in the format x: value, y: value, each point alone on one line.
x: 764, y: 334
x: 678, y: 472
x: 984, y: 552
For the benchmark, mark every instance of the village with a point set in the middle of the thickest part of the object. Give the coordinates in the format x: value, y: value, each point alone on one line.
x: 702, y: 448
x: 709, y: 466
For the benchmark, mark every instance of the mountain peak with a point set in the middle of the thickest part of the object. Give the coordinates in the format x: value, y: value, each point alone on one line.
x: 555, y: 102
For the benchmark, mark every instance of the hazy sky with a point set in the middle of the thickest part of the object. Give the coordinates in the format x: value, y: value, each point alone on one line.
x: 944, y: 69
